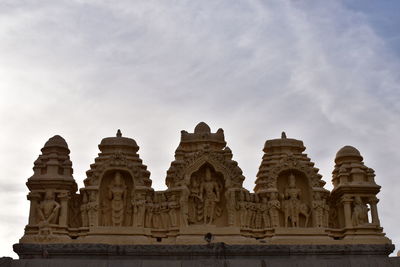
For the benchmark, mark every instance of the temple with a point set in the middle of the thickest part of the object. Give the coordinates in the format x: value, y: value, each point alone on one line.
x: 205, y: 202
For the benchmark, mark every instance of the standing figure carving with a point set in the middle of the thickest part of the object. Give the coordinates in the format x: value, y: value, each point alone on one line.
x: 84, y: 210
x: 264, y: 213
x: 138, y: 205
x: 149, y: 212
x: 92, y: 208
x: 173, y: 205
x: 210, y: 196
x: 117, y: 195
x: 292, y: 202
x: 164, y: 211
x: 156, y: 217
x: 273, y: 209
x: 241, y: 206
x: 360, y: 212
x: 318, y: 205
x: 48, y: 209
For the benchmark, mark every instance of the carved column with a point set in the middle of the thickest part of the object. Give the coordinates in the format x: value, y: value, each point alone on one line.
x: 34, y: 198
x: 347, y: 211
x: 374, y: 210
x: 63, y: 197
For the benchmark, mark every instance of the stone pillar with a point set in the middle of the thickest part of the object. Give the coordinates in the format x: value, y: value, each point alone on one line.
x: 374, y: 210
x: 34, y: 198
x: 63, y: 197
x: 347, y: 211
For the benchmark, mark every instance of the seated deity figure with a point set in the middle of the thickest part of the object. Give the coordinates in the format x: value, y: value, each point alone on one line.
x: 360, y: 212
x: 48, y: 209
x: 273, y: 209
x: 318, y: 205
x: 116, y: 193
x: 210, y: 196
x: 292, y: 202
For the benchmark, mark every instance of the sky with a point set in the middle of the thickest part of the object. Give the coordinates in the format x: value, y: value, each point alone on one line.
x: 325, y: 72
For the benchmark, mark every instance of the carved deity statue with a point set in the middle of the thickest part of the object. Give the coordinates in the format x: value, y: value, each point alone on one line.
x: 156, y: 217
x: 251, y: 215
x: 210, y: 196
x: 138, y: 205
x: 259, y: 215
x: 241, y: 206
x: 117, y: 194
x: 318, y: 206
x: 173, y: 205
x: 273, y: 209
x: 84, y: 211
x: 164, y: 211
x: 360, y: 212
x: 264, y: 213
x: 292, y: 203
x: 148, y: 212
x: 194, y: 201
x: 48, y: 209
x: 92, y: 208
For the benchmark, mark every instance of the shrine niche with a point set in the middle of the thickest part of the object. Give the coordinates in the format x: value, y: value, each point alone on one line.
x: 205, y: 199
x: 116, y: 190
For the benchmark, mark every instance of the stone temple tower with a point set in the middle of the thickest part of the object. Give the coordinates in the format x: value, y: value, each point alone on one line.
x: 51, y: 187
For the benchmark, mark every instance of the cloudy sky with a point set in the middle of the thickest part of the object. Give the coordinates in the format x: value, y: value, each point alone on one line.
x: 326, y: 72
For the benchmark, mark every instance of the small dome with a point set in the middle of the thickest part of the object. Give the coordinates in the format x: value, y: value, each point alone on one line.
x: 202, y: 127
x: 348, y: 151
x: 56, y: 141
x: 118, y: 141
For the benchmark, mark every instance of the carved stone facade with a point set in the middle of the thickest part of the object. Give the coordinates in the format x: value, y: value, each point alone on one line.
x: 205, y: 200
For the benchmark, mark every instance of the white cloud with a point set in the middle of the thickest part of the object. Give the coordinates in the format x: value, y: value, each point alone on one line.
x: 83, y: 69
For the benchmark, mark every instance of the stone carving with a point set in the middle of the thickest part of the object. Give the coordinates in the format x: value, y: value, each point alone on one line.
x: 242, y: 207
x: 319, y: 207
x: 84, y: 210
x: 139, y: 209
x: 164, y: 211
x: 48, y: 209
x: 273, y: 209
x: 149, y: 212
x: 117, y: 194
x: 210, y: 196
x: 292, y: 204
x: 204, y: 196
x: 92, y: 209
x: 173, y: 206
x: 360, y: 212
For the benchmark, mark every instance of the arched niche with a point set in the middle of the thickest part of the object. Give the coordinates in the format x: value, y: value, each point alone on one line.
x: 206, y: 189
x: 115, y: 193
x: 294, y: 182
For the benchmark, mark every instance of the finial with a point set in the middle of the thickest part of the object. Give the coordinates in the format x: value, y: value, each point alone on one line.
x: 119, y: 134
x: 283, y: 136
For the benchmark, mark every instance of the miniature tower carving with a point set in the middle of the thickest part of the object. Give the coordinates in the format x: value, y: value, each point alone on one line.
x: 286, y: 172
x: 51, y: 187
x: 354, y: 195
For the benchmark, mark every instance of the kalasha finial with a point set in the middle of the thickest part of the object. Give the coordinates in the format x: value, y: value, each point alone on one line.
x: 283, y: 136
x: 119, y: 134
